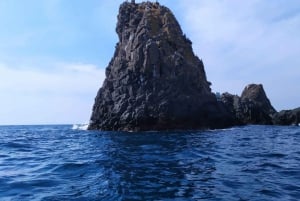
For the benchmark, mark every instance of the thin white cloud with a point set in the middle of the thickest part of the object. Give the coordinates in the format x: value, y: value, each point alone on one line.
x: 242, y: 42
x: 64, y: 94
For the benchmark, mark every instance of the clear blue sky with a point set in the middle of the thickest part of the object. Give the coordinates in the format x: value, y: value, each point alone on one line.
x: 53, y: 53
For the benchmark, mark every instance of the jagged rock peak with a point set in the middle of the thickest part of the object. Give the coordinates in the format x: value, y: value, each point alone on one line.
x: 257, y: 94
x: 253, y: 107
x: 153, y: 17
x: 154, y: 80
x: 151, y: 29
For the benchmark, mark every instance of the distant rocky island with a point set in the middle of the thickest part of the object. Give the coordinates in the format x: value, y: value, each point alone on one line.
x: 155, y: 82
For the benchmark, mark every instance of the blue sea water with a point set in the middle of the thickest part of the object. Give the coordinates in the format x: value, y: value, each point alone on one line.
x: 59, y: 163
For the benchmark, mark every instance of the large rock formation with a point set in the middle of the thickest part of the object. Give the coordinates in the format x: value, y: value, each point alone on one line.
x: 154, y: 80
x: 253, y: 107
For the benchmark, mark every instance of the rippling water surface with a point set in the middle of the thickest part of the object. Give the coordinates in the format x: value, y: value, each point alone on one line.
x: 59, y: 163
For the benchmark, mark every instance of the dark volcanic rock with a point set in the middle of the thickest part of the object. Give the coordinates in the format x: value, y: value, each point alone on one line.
x: 256, y: 93
x: 253, y: 107
x: 287, y: 117
x: 154, y: 81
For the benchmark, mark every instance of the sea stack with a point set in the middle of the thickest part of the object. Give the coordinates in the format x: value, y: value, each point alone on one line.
x: 253, y: 107
x: 154, y: 80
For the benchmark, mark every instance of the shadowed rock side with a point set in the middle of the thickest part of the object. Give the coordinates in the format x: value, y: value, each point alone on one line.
x: 154, y: 80
x: 287, y: 117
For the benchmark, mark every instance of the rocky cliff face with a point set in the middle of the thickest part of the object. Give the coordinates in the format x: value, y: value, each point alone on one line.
x: 253, y: 107
x: 154, y: 80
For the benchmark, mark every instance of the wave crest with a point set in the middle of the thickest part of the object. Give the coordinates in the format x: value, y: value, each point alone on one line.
x: 80, y: 126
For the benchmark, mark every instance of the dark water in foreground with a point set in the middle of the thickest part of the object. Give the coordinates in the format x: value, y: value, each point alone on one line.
x: 58, y: 163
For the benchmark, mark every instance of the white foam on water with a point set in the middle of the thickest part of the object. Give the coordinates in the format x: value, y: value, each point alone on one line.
x: 80, y: 126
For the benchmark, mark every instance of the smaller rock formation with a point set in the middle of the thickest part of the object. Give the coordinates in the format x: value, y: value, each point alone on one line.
x: 287, y: 117
x: 253, y: 107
